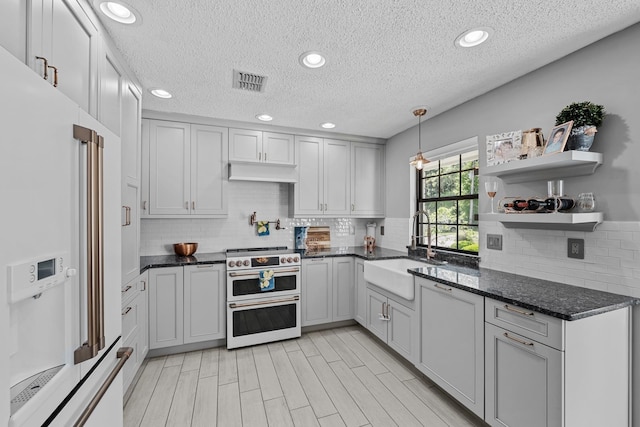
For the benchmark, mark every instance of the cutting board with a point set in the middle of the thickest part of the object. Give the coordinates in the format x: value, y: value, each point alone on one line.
x: 319, y: 237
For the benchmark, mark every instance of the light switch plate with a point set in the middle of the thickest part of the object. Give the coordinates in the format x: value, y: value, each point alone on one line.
x: 494, y: 241
x: 575, y: 248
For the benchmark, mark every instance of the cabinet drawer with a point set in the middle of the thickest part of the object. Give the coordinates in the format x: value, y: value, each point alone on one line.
x: 130, y: 319
x: 131, y: 367
x: 129, y: 292
x: 528, y: 323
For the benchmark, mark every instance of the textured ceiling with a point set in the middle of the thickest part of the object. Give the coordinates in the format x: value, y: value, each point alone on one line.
x: 383, y: 56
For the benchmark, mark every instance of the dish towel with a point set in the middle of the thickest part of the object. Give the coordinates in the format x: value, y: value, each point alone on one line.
x: 267, y: 282
x: 263, y: 228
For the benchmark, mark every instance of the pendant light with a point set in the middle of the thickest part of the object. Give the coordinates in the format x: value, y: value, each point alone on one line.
x: 419, y: 161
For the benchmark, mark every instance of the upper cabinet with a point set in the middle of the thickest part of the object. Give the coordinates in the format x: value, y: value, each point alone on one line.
x: 338, y: 178
x: 323, y: 177
x: 63, y: 35
x: 186, y: 170
x: 367, y: 180
x: 261, y: 147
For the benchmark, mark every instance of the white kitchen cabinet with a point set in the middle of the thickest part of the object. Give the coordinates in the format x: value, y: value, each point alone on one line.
x: 62, y: 32
x: 323, y: 187
x: 392, y: 321
x: 360, y: 309
x: 204, y: 298
x: 135, y: 325
x: 187, y: 170
x: 13, y: 27
x: 111, y: 79
x: 541, y: 370
x: 130, y: 231
x: 327, y: 290
x: 261, y: 147
x: 367, y: 180
x: 131, y: 112
x: 166, y: 307
x: 343, y: 288
x: 186, y: 304
x: 451, y: 323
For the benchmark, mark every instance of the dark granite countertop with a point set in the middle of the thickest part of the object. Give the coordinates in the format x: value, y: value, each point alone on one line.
x: 156, y: 261
x: 559, y: 300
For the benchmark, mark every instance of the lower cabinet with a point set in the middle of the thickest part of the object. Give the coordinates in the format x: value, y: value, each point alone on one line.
x: 186, y: 304
x: 452, y: 341
x: 392, y: 321
x: 360, y: 310
x: 327, y: 292
x: 135, y: 322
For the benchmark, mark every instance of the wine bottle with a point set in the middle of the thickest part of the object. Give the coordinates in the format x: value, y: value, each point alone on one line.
x: 560, y: 204
x: 516, y: 205
x: 536, y: 205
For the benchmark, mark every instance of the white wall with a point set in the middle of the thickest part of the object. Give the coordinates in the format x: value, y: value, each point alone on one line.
x: 269, y: 200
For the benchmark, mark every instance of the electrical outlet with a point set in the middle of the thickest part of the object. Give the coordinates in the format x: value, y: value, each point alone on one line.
x: 382, y: 230
x: 575, y: 248
x: 494, y: 241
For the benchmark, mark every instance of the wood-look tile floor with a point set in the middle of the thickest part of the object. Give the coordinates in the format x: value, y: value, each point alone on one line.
x: 337, y: 377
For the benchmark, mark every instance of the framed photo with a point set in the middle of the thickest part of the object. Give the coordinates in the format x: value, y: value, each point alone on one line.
x: 503, y: 147
x: 558, y: 138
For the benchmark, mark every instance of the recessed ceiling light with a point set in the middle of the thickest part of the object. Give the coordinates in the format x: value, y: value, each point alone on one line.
x: 161, y: 93
x: 312, y: 59
x: 119, y: 12
x: 328, y: 125
x: 473, y: 37
x: 264, y: 117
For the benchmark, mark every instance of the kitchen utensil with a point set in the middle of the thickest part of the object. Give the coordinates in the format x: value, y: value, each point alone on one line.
x: 185, y: 249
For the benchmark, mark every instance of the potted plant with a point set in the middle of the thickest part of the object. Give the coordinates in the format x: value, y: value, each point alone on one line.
x: 587, y: 117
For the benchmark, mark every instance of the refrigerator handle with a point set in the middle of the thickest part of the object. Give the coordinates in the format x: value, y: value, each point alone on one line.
x: 123, y: 354
x: 95, y: 246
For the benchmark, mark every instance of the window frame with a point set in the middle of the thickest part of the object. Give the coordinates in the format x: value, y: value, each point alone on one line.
x: 419, y: 227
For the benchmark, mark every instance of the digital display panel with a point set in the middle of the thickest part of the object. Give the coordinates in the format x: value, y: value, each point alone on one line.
x: 46, y: 268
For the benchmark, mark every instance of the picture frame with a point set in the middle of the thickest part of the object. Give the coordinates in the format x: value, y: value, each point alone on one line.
x: 503, y: 147
x: 558, y: 138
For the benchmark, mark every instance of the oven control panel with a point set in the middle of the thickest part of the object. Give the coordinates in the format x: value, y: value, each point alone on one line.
x: 265, y: 261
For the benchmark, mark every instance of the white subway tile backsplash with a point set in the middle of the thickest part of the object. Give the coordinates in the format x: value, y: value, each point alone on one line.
x: 269, y: 200
x: 612, y: 255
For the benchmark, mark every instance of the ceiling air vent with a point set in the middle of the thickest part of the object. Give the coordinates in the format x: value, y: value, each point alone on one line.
x: 249, y: 81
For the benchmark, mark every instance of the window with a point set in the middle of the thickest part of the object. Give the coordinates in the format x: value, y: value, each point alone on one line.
x: 447, y: 189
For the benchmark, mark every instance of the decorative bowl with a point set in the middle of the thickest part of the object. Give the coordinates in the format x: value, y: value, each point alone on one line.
x: 185, y: 249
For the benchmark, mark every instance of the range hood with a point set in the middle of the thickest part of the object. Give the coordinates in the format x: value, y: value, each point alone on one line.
x: 265, y: 172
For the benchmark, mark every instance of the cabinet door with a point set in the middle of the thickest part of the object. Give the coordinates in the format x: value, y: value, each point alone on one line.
x: 73, y: 40
x: 130, y: 233
x: 401, y: 329
x: 145, y: 156
x: 452, y: 342
x: 523, y: 381
x: 143, y: 307
x: 13, y: 27
x: 245, y: 145
x: 169, y: 161
x: 336, y: 177
x: 110, y: 92
x: 208, y: 170
x: 278, y: 148
x: 343, y: 288
x: 367, y: 179
x: 204, y: 294
x: 376, y: 311
x: 131, y: 102
x: 166, y: 302
x: 316, y: 293
x: 309, y: 190
x: 360, y: 294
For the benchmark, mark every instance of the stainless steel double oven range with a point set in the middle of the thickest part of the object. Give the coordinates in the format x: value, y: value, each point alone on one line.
x: 263, y: 295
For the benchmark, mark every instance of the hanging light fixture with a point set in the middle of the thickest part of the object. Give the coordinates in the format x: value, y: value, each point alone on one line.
x: 419, y: 161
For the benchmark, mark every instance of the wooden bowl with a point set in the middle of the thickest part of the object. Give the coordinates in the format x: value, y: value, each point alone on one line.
x: 185, y: 249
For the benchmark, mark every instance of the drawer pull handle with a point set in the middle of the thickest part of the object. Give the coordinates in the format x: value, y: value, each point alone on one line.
x: 126, y: 311
x: 442, y: 287
x: 530, y: 344
x: 125, y: 290
x: 524, y: 313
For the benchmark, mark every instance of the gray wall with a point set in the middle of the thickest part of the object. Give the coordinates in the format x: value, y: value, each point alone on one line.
x: 606, y: 72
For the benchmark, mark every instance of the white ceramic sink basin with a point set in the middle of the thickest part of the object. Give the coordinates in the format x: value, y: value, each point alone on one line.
x: 391, y: 275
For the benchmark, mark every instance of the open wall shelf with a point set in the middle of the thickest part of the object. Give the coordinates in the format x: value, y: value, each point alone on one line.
x: 583, y: 221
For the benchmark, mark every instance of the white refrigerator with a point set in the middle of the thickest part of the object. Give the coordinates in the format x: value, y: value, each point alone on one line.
x: 60, y: 263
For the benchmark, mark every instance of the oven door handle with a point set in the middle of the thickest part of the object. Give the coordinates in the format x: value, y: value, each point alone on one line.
x: 270, y: 301
x: 255, y: 273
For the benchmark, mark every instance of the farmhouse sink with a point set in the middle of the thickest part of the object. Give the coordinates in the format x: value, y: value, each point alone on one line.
x: 391, y: 275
